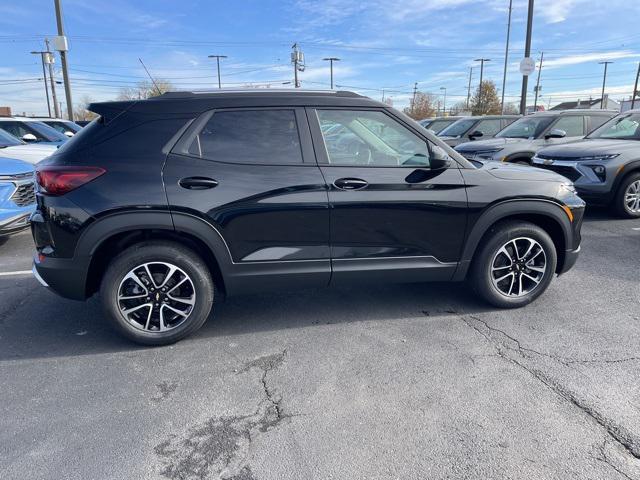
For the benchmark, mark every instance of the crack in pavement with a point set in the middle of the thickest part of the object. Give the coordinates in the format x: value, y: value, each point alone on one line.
x: 505, y: 349
x: 221, y: 446
x: 603, y: 457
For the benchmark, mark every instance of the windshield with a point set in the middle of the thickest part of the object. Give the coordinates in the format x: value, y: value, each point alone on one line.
x: 457, y: 128
x: 50, y: 134
x: 527, y: 127
x: 622, y: 127
x: 8, y: 140
x: 438, y: 125
x: 62, y: 127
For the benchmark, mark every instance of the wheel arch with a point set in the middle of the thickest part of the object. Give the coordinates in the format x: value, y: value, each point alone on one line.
x: 108, y: 236
x: 547, y: 215
x: 627, y: 169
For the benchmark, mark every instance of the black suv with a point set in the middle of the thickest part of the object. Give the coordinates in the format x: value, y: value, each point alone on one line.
x: 161, y: 205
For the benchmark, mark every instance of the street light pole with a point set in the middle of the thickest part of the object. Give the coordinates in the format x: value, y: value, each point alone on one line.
x: 535, y: 102
x: 481, y: 60
x: 44, y: 79
x: 604, y: 82
x: 635, y: 88
x: 506, y: 57
x: 331, y: 60
x: 444, y: 101
x: 469, y: 87
x: 218, y: 57
x: 54, y: 97
x: 527, y: 52
x: 63, y: 60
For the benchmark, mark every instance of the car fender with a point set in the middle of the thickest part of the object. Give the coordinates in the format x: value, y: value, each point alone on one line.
x: 627, y: 168
x: 503, y: 210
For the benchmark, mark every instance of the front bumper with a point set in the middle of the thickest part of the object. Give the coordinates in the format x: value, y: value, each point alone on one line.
x: 14, y: 220
x: 570, y: 258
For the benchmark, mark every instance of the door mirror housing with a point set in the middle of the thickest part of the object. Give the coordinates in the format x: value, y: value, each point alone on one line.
x: 440, y: 160
x: 69, y: 133
x: 29, y: 137
x: 555, y: 133
x: 475, y: 134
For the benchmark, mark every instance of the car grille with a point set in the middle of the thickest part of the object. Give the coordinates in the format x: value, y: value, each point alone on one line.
x: 568, y: 172
x: 24, y: 195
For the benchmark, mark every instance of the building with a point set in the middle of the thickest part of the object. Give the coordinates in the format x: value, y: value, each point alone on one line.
x: 592, y: 104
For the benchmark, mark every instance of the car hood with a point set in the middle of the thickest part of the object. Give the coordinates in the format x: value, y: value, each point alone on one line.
x: 591, y: 147
x: 489, y: 144
x: 511, y: 171
x: 28, y: 153
x: 12, y: 166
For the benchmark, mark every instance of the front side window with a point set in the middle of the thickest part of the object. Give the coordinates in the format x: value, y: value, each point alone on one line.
x: 597, y: 121
x: 573, y: 125
x: 527, y: 127
x: 371, y: 138
x: 623, y: 127
x: 267, y: 137
x: 457, y: 128
x: 438, y: 125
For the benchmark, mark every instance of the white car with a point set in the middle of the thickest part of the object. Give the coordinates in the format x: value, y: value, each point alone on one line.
x: 66, y: 127
x: 12, y: 147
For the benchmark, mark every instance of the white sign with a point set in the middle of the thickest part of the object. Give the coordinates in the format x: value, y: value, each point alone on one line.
x: 527, y: 66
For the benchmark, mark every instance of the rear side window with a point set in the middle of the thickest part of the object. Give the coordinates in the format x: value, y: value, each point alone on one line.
x: 268, y: 137
x: 489, y: 127
x: 597, y: 121
x: 573, y: 125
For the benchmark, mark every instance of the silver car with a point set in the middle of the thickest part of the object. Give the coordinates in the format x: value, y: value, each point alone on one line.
x: 605, y: 166
x: 519, y: 142
x: 475, y: 128
x: 17, y: 196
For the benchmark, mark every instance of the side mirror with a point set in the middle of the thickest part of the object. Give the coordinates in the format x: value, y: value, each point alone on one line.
x: 475, y: 134
x: 440, y: 160
x: 69, y: 133
x: 29, y: 137
x: 555, y: 133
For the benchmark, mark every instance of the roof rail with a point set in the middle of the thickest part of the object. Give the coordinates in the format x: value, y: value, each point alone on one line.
x: 255, y: 91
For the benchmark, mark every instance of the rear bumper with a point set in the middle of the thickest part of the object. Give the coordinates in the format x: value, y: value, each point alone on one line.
x: 65, y: 276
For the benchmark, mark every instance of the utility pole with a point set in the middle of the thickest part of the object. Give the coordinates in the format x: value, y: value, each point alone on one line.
x: 527, y: 52
x: 297, y: 59
x: 481, y: 60
x: 444, y: 101
x: 635, y: 88
x: 413, y: 100
x: 604, y: 81
x: 506, y: 58
x: 54, y: 97
x: 331, y: 60
x: 469, y: 87
x: 537, y: 89
x: 62, y: 47
x: 218, y: 57
x: 44, y: 79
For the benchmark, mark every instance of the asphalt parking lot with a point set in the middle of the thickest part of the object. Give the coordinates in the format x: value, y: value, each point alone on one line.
x: 406, y: 382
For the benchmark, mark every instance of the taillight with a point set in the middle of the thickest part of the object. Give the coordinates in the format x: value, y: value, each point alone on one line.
x: 58, y: 180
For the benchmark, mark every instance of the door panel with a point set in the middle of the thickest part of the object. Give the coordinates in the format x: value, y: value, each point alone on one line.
x: 274, y: 218
x: 403, y: 222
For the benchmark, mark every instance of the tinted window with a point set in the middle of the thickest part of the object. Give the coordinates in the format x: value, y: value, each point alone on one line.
x: 371, y: 138
x: 527, y: 127
x: 573, y: 125
x: 18, y: 130
x: 489, y: 127
x: 250, y: 136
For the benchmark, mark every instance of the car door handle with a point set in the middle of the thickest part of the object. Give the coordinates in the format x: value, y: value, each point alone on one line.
x: 198, y: 183
x: 350, y: 183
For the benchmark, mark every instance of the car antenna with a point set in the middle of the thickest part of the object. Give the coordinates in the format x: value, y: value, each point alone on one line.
x: 154, y: 82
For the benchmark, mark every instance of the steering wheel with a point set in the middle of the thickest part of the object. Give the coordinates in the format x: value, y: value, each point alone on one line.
x: 363, y: 154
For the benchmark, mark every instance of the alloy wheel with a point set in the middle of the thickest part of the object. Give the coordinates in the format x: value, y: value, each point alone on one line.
x: 518, y: 267
x: 632, y: 197
x: 156, y: 297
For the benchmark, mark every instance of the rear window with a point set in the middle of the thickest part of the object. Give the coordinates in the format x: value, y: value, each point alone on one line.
x: 267, y: 137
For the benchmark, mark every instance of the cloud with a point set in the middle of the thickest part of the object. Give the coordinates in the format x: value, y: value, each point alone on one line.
x: 588, y: 58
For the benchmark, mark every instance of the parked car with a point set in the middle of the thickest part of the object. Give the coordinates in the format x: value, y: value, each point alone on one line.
x: 17, y: 197
x: 12, y: 147
x: 66, y: 127
x: 188, y: 196
x: 605, y: 166
x: 474, y: 128
x: 519, y: 142
x: 82, y: 123
x: 440, y: 123
x: 32, y: 131
x: 425, y: 122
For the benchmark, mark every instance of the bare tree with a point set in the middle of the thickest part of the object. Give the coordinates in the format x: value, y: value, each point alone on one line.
x: 511, y: 109
x: 422, y: 107
x: 488, y: 103
x: 145, y: 89
x: 81, y: 111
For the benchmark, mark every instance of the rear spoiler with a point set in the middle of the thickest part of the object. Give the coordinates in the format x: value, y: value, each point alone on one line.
x: 109, y: 111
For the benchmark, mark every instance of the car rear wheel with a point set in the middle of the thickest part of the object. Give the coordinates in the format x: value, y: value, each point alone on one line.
x: 514, y: 265
x: 156, y: 293
x: 627, y: 200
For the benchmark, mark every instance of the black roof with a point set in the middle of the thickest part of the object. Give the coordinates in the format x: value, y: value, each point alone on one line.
x: 577, y: 104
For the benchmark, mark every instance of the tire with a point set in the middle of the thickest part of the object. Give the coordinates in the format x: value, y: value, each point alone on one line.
x: 491, y: 263
x: 189, y: 290
x: 628, y: 185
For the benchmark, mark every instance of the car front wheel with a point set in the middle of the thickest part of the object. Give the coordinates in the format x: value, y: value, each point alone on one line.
x: 627, y: 199
x: 156, y: 293
x: 514, y: 265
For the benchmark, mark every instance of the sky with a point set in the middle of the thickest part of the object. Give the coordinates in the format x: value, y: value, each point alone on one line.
x: 384, y: 47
